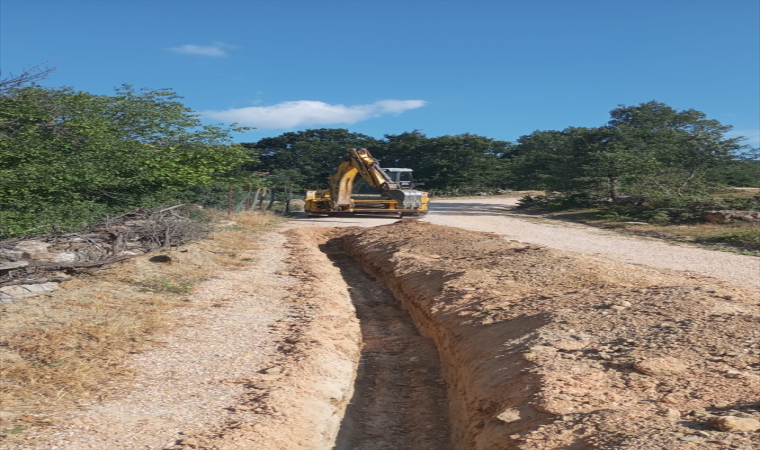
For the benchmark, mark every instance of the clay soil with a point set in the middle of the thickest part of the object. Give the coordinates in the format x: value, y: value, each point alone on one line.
x: 412, y: 335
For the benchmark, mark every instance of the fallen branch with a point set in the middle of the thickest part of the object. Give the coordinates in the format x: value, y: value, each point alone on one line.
x: 76, y: 265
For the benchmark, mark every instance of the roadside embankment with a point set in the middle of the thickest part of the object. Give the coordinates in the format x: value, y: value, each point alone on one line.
x: 544, y: 349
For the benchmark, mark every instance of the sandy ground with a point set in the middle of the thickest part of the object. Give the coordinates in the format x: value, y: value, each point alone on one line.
x: 541, y: 335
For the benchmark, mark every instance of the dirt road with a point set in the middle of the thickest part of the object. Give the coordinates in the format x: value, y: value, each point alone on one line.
x: 432, y: 335
x: 496, y: 215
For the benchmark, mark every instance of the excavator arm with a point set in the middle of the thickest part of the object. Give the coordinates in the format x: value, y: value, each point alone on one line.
x: 359, y: 162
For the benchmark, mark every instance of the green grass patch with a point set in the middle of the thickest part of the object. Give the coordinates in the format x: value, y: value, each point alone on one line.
x: 747, y: 239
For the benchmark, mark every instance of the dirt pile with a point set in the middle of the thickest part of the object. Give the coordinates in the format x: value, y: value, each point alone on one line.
x: 543, y: 349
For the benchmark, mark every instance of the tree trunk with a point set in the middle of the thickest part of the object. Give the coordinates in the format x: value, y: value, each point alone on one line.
x: 271, y: 198
x: 613, y: 182
x: 229, y: 201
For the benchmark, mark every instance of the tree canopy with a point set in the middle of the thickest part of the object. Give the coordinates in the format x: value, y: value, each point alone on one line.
x: 444, y: 163
x: 650, y: 149
x: 67, y: 156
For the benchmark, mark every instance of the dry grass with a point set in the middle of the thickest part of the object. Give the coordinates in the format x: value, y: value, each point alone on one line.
x: 67, y: 347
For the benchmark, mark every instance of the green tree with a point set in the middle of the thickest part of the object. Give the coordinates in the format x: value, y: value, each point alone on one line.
x: 462, y: 162
x: 68, y: 156
x: 667, y: 152
x: 547, y: 160
x: 301, y: 158
x: 648, y: 150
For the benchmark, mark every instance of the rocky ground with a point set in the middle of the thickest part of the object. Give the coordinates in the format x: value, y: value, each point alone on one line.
x: 416, y: 335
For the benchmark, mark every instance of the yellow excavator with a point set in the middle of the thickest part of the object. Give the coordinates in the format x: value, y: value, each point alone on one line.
x: 394, y: 190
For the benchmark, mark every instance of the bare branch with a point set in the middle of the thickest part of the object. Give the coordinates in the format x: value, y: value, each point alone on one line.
x: 28, y: 76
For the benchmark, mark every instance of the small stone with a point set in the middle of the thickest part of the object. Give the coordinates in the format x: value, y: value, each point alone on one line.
x: 661, y: 366
x: 509, y: 415
x: 673, y: 414
x: 736, y: 424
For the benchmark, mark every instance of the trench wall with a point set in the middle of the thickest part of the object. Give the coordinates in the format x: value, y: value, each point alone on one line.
x: 543, y: 349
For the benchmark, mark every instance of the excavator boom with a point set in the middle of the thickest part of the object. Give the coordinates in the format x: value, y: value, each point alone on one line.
x: 339, y: 198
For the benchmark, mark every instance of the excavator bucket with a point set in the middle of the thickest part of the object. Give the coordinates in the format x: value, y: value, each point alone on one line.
x: 407, y: 198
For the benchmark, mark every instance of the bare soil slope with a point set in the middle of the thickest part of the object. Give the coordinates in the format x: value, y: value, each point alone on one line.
x: 543, y: 349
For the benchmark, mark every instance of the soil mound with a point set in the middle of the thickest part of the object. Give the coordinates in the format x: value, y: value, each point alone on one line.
x: 544, y: 349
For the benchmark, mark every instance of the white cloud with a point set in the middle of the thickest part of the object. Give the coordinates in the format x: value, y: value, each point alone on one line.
x: 752, y: 135
x: 217, y: 50
x: 309, y: 113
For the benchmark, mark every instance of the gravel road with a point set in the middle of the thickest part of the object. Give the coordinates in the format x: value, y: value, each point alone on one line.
x: 496, y: 215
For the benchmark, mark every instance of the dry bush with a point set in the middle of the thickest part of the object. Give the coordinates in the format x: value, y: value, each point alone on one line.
x: 70, y: 345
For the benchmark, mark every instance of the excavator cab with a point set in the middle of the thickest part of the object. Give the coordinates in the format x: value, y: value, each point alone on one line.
x: 401, y: 176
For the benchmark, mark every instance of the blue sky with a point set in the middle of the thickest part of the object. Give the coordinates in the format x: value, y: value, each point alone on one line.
x: 497, y: 68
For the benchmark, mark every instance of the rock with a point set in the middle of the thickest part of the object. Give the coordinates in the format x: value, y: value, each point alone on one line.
x: 736, y: 424
x: 8, y: 293
x: 509, y: 415
x: 13, y: 265
x: 11, y: 255
x: 673, y: 414
x: 727, y: 216
x: 661, y: 366
x: 570, y: 344
x: 33, y: 249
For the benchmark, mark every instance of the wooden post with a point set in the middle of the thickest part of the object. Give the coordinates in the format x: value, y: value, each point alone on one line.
x: 271, y: 198
x: 261, y: 201
x: 255, y: 198
x: 248, y: 199
x: 290, y: 197
x: 229, y: 201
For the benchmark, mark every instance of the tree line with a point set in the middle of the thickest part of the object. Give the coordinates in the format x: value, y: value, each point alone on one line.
x: 68, y: 157
x: 647, y: 150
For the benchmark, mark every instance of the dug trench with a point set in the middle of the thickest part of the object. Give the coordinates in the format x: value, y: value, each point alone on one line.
x: 418, y: 336
x: 541, y: 349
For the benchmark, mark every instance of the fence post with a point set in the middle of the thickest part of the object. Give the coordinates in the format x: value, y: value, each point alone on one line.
x: 248, y: 199
x: 229, y: 201
x: 290, y: 197
x: 256, y: 197
x: 271, y: 198
x: 261, y: 201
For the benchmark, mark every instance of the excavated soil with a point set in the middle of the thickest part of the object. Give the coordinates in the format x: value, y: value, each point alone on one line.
x: 542, y: 349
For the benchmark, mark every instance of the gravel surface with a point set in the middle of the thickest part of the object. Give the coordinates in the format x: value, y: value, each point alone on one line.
x: 495, y: 215
x: 190, y: 382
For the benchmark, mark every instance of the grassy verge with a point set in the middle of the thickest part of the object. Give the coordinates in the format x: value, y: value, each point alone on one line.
x: 67, y: 347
